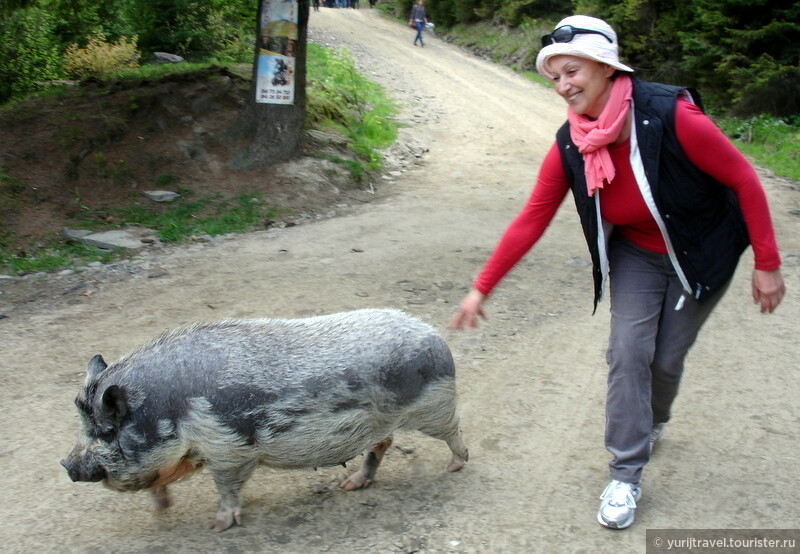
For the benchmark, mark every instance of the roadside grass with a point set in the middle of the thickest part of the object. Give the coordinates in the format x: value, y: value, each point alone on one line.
x: 338, y: 99
x: 156, y: 70
x: 504, y: 45
x: 342, y: 100
x: 212, y: 215
x: 770, y: 141
x: 174, y: 223
x: 57, y: 253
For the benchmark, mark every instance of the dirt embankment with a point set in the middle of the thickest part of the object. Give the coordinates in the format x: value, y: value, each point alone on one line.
x: 531, y: 379
x: 78, y: 157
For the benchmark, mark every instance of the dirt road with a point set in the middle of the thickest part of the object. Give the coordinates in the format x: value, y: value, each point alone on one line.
x: 531, y: 380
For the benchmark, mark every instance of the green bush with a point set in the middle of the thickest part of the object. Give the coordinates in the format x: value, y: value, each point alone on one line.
x: 75, y: 20
x: 99, y: 57
x: 236, y: 47
x: 29, y: 54
x: 212, y: 28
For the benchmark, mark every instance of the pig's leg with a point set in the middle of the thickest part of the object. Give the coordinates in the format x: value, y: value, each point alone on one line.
x: 451, y: 434
x: 459, y: 450
x: 229, y: 482
x: 161, y: 498
x: 362, y: 478
x: 169, y: 474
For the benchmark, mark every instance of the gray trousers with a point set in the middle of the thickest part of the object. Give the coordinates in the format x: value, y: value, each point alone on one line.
x: 646, y: 349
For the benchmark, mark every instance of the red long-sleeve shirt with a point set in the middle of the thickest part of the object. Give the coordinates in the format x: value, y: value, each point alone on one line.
x: 622, y: 205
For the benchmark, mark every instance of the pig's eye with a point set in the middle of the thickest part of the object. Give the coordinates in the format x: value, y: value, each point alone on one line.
x: 105, y: 434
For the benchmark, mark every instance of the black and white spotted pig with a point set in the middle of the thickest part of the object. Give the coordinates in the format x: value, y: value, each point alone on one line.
x: 286, y: 393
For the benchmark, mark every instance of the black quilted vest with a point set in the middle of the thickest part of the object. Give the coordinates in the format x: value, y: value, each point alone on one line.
x: 702, y: 217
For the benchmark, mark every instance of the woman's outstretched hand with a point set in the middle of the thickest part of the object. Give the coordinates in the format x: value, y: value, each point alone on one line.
x: 768, y: 289
x: 468, y: 311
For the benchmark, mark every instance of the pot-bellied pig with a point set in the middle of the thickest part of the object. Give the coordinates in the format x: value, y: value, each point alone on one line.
x: 286, y: 393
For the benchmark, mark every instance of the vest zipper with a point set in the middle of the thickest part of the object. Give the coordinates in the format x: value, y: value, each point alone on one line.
x: 644, y: 187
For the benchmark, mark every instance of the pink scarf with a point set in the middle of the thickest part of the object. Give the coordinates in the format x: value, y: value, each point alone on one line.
x: 593, y: 136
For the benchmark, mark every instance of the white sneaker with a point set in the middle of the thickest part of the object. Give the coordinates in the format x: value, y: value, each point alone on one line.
x: 655, y: 434
x: 618, y: 504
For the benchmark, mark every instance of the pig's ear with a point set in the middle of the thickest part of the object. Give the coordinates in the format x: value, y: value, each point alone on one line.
x: 113, y: 405
x: 96, y: 366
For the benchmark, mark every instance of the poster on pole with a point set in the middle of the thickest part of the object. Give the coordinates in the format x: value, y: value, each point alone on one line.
x: 277, y: 41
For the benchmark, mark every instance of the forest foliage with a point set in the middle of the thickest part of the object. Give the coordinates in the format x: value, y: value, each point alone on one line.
x: 743, y: 55
x: 40, y: 39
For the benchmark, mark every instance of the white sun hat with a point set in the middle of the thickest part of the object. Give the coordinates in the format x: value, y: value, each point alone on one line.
x: 584, y: 37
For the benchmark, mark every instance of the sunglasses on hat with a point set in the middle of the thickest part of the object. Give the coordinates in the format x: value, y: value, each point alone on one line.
x: 567, y: 33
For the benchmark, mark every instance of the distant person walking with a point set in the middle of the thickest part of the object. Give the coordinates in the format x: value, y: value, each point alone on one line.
x: 418, y: 20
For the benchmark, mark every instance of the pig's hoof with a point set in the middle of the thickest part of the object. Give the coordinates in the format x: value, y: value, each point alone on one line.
x: 356, y: 481
x: 225, y: 519
x: 457, y: 463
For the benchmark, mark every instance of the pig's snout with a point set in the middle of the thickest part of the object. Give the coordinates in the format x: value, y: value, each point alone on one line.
x: 84, y: 468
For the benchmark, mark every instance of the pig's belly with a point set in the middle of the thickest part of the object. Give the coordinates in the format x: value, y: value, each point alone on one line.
x: 322, y: 445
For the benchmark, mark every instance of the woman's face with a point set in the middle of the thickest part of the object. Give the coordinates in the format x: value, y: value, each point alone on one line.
x: 585, y: 84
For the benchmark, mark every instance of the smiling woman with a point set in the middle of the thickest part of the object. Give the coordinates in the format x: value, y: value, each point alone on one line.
x: 644, y: 165
x: 585, y: 84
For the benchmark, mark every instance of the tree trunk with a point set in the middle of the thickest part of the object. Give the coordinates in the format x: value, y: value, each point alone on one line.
x: 267, y: 133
